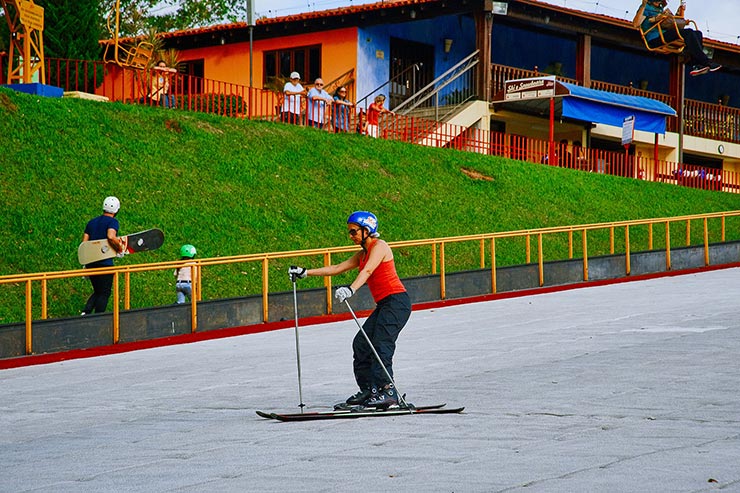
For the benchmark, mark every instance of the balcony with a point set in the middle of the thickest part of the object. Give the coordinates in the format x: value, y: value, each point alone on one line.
x: 709, y: 121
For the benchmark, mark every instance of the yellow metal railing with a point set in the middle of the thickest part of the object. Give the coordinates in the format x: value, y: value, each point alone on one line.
x: 438, y: 261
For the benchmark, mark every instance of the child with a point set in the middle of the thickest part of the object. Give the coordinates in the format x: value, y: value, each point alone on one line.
x: 184, y: 284
x: 373, y: 116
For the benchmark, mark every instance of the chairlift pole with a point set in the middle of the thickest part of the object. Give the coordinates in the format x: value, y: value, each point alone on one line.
x: 681, y: 106
x: 250, y: 23
x: 551, y: 145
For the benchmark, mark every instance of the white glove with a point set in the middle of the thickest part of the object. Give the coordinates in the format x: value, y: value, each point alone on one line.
x: 343, y: 293
x: 121, y: 253
x: 295, y: 272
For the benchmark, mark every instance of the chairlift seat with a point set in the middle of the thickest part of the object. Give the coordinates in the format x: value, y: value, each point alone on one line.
x: 673, y: 47
x: 139, y: 55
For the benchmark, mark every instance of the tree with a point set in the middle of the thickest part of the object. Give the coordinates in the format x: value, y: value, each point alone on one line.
x: 71, y: 29
x: 139, y: 16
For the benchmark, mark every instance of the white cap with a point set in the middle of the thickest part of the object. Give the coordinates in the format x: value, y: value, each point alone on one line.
x: 295, y: 75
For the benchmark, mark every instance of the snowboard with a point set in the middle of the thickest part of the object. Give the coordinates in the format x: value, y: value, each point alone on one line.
x: 96, y: 250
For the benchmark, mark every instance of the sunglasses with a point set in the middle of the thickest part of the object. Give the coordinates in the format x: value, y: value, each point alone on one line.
x: 353, y: 232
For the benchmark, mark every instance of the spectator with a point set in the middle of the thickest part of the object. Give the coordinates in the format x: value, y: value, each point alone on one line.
x: 293, y: 92
x: 566, y: 158
x: 546, y: 156
x: 161, y: 93
x: 579, y: 160
x: 653, y: 12
x: 342, y: 107
x: 362, y: 122
x: 316, y: 104
x: 373, y: 115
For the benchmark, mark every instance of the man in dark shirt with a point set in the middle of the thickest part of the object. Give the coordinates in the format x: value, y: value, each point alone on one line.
x: 99, y: 228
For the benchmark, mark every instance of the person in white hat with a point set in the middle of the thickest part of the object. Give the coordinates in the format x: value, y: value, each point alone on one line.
x: 293, y: 93
x: 98, y: 228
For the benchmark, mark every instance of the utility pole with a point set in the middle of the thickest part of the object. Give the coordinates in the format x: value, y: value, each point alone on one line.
x: 250, y: 23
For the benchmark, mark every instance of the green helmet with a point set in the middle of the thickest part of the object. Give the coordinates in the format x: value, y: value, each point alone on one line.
x: 187, y: 251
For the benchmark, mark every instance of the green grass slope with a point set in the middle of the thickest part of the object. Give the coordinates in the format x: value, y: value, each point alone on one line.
x: 235, y: 187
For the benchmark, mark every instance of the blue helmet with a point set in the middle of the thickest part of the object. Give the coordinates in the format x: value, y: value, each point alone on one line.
x: 365, y: 219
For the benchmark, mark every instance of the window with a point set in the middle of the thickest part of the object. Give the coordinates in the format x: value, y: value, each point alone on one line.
x: 305, y: 60
x: 192, y: 79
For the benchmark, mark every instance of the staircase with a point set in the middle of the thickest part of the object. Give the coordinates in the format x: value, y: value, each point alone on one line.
x: 442, y: 113
x: 463, y: 119
x: 448, y: 105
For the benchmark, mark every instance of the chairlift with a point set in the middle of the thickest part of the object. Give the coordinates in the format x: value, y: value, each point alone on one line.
x: 675, y: 46
x: 136, y: 55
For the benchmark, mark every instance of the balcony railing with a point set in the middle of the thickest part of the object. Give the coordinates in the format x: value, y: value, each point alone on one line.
x: 711, y: 121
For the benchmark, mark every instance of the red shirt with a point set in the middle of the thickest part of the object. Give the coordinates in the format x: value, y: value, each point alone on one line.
x: 373, y: 111
x: 384, y: 280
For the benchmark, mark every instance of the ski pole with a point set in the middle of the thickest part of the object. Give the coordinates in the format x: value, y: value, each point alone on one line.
x: 377, y: 356
x: 297, y: 345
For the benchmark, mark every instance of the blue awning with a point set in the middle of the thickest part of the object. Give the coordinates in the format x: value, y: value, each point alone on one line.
x: 582, y: 104
x: 609, y: 108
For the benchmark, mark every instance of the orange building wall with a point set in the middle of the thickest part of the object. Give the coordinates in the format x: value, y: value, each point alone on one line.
x: 230, y: 63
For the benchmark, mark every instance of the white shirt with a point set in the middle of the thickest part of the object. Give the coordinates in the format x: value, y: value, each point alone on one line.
x: 317, y: 99
x: 292, y: 102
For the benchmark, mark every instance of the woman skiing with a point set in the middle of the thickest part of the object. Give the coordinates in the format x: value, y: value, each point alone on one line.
x: 376, y: 267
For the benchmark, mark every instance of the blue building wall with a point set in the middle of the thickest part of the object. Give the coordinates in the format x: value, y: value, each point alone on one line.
x: 628, y: 67
x: 710, y: 87
x: 373, y: 71
x: 525, y: 48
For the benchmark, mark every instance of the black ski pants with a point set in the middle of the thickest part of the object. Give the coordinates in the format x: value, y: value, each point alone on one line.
x: 382, y: 327
x: 694, y: 41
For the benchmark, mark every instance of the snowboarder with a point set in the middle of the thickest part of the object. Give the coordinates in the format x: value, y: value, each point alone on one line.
x: 98, y: 228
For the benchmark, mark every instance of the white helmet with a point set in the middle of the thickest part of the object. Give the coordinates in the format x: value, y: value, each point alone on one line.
x: 111, y: 204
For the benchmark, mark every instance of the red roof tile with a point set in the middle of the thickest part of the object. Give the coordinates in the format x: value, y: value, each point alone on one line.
x: 354, y: 9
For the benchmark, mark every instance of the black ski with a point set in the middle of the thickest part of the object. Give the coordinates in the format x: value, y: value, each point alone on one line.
x: 361, y: 413
x: 352, y: 409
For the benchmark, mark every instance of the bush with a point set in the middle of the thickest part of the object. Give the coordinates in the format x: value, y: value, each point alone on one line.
x: 219, y: 104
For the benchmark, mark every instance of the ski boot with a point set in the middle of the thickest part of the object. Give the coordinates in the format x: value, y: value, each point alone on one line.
x: 355, y: 401
x: 383, y: 398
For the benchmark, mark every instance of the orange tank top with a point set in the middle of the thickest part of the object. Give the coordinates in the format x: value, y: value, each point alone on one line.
x: 384, y: 280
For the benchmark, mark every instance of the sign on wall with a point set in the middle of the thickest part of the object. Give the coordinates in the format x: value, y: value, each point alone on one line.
x: 516, y: 90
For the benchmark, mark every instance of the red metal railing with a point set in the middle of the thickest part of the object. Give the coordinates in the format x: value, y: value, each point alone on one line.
x: 532, y: 150
x: 204, y: 95
x: 633, y: 91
